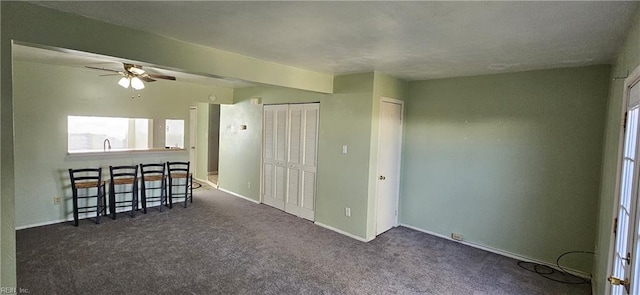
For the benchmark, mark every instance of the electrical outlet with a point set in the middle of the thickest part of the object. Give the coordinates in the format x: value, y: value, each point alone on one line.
x: 456, y: 236
x: 249, y: 184
x: 57, y: 200
x: 347, y: 211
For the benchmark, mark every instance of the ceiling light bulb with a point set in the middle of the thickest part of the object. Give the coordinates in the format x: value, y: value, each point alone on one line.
x: 124, y: 82
x: 137, y: 71
x: 136, y: 83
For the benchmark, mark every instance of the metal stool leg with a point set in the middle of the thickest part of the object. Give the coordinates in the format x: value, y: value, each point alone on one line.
x: 75, y: 207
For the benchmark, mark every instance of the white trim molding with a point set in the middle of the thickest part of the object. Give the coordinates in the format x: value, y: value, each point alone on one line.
x: 238, y: 195
x: 361, y: 239
x: 46, y: 223
x: 500, y: 252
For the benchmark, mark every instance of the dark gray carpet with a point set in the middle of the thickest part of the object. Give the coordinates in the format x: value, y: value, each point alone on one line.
x: 226, y: 245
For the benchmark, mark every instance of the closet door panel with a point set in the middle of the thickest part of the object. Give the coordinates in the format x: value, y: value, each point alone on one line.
x: 274, y: 147
x: 292, y: 205
x: 295, y: 135
x: 281, y: 134
x: 281, y: 185
x: 311, y: 135
x: 308, y: 190
x: 296, y: 145
x: 309, y: 163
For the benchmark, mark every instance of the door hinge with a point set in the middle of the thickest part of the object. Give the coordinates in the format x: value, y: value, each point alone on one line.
x: 628, y: 258
x: 615, y: 226
x: 617, y: 282
x: 396, y: 212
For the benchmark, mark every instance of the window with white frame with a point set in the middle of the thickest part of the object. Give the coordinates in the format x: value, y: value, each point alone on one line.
x: 91, y: 134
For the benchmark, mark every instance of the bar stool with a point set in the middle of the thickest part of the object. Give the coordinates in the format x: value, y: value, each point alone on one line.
x: 153, y: 173
x: 176, y: 171
x: 124, y: 177
x: 88, y: 178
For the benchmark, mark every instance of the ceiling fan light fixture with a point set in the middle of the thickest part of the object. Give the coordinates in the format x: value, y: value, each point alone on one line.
x: 124, y: 82
x: 135, y: 70
x: 136, y: 83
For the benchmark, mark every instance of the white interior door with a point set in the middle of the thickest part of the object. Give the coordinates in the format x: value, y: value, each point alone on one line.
x: 274, y: 155
x: 193, y: 125
x: 389, y: 152
x: 301, y: 164
x: 624, y: 270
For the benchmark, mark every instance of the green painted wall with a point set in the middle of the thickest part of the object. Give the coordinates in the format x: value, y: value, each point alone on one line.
x: 628, y: 59
x: 44, y: 95
x: 510, y: 161
x: 239, y: 162
x: 345, y: 119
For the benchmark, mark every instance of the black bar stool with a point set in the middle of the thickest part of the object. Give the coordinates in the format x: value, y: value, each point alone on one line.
x: 177, y: 171
x: 88, y: 178
x: 124, y: 177
x: 153, y: 173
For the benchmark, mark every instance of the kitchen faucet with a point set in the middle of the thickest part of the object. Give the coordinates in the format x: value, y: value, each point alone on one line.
x: 106, y: 144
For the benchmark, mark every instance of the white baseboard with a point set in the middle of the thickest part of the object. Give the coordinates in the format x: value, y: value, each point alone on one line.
x: 342, y: 232
x: 238, y: 195
x: 82, y: 216
x: 42, y: 223
x: 501, y: 252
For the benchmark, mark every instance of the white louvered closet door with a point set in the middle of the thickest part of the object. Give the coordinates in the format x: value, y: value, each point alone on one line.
x: 275, y: 155
x: 290, y: 158
x: 301, y: 164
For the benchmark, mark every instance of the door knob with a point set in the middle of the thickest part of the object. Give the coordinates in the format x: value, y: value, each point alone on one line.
x: 382, y: 177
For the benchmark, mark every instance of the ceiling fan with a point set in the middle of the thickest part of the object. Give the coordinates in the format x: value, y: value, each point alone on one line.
x: 133, y: 75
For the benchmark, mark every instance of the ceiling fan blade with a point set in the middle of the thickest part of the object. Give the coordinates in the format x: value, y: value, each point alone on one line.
x: 146, y: 78
x: 103, y: 69
x: 172, y: 78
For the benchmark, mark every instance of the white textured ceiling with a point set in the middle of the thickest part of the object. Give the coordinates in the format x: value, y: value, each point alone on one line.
x: 409, y: 40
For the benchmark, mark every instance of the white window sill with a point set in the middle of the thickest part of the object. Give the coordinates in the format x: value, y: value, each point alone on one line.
x: 123, y: 152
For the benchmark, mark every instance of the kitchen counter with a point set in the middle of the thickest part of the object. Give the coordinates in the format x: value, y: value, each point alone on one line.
x: 122, y: 152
